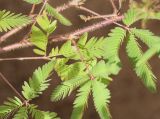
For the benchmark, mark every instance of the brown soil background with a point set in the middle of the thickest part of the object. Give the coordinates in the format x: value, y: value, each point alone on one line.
x: 130, y: 99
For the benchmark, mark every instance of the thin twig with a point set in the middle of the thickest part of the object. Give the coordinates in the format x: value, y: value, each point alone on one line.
x: 10, y: 85
x: 97, y: 25
x: 12, y: 32
x: 32, y: 9
x: 95, y: 13
x: 88, y: 18
x: 24, y: 58
x: 114, y: 7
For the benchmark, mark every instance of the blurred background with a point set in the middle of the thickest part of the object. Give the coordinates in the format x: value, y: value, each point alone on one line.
x: 130, y: 99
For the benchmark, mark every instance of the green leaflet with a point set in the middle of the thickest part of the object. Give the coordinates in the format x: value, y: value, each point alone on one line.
x: 22, y: 113
x: 47, y: 25
x: 12, y: 104
x: 67, y: 87
x: 40, y: 37
x: 143, y: 70
x: 147, y: 55
x: 14, y: 107
x: 67, y: 50
x: 132, y: 16
x: 112, y: 44
x: 82, y: 40
x: 81, y: 101
x: 71, y: 71
x: 152, y: 41
x: 10, y: 20
x: 92, y: 49
x: 101, y: 99
x: 38, y: 82
x: 104, y: 70
x: 146, y: 36
x: 38, y: 114
x: 54, y: 13
x: 33, y: 1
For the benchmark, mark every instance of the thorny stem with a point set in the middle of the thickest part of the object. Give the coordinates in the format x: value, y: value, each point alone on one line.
x: 10, y: 85
x: 88, y: 18
x: 63, y: 37
x: 95, y: 13
x: 97, y: 25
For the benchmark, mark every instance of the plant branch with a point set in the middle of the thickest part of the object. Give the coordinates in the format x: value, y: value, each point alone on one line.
x: 10, y: 85
x: 95, y: 13
x: 64, y: 37
x: 88, y: 18
x: 16, y: 30
x: 97, y: 25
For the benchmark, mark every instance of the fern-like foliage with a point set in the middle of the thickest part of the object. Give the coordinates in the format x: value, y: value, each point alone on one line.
x: 54, y: 13
x: 101, y: 73
x: 40, y: 37
x: 103, y: 70
x: 91, y: 49
x: 132, y: 16
x: 71, y: 71
x: 143, y: 70
x: 81, y: 101
x: 113, y: 43
x: 86, y: 67
x: 146, y: 36
x: 152, y: 41
x: 9, y: 106
x: 38, y: 114
x: 38, y: 82
x: 17, y: 109
x: 67, y: 87
x: 22, y: 113
x: 148, y: 8
x: 101, y: 99
x: 10, y: 20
